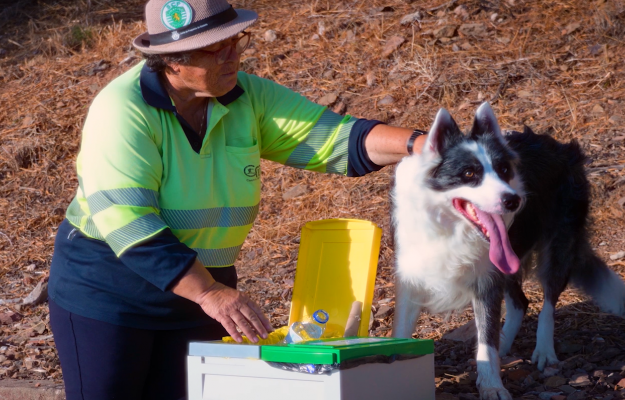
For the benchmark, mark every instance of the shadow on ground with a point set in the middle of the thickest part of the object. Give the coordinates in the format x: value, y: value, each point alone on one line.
x: 589, y: 344
x: 26, y: 25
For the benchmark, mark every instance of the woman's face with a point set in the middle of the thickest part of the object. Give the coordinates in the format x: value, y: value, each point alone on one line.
x: 205, y: 75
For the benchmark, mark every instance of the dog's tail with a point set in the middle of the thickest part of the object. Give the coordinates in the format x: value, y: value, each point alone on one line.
x: 597, y: 280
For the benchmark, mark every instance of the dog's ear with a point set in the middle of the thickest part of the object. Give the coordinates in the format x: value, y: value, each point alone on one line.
x: 443, y: 133
x: 485, y: 122
x: 527, y: 130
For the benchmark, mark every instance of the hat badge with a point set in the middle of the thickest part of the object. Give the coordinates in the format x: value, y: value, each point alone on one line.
x: 176, y: 14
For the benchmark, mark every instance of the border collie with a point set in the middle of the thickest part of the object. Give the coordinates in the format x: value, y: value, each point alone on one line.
x: 471, y: 213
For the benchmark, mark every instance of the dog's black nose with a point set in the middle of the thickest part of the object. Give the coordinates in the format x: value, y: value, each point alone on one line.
x: 511, y: 201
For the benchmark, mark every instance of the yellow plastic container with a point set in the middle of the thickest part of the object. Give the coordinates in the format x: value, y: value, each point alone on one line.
x: 336, y: 266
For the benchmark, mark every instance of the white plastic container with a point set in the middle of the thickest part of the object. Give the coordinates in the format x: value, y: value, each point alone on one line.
x: 218, y: 378
x: 230, y: 378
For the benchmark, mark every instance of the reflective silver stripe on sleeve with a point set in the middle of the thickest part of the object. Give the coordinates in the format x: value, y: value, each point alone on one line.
x: 218, y: 257
x: 141, y: 228
x: 135, y: 197
x: 337, y: 163
x: 75, y: 215
x: 317, y: 137
x: 218, y: 217
x: 91, y: 230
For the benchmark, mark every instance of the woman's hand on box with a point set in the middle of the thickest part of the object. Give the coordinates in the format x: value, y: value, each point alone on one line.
x: 234, y: 309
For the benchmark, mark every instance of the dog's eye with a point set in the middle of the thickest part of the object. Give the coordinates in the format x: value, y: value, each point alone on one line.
x: 469, y: 173
x: 504, y: 170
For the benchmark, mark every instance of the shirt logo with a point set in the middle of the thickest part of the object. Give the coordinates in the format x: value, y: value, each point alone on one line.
x: 175, y: 14
x: 252, y: 171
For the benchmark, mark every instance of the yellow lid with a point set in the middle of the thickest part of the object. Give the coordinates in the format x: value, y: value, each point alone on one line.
x: 337, y: 265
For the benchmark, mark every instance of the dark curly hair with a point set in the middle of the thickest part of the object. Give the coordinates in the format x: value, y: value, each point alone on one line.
x: 159, y: 62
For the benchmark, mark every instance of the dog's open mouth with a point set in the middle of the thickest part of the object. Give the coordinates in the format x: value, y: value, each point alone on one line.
x: 493, y: 229
x: 467, y: 209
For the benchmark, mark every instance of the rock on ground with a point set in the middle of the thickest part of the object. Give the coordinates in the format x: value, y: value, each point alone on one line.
x: 465, y: 333
x: 270, y: 36
x: 30, y: 390
x: 295, y: 191
x: 38, y: 295
x: 391, y: 45
x: 327, y: 99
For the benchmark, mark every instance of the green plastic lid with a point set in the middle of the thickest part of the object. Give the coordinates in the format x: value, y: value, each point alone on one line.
x: 337, y: 350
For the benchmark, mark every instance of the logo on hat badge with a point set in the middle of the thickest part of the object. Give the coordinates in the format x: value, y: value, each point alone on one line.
x: 175, y: 14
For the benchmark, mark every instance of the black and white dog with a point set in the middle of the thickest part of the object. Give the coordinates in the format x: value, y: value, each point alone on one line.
x: 452, y: 206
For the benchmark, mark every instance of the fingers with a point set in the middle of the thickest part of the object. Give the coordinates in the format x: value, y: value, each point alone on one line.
x: 236, y: 312
x: 246, y: 327
x: 263, y: 319
x: 231, y: 327
x: 254, y: 319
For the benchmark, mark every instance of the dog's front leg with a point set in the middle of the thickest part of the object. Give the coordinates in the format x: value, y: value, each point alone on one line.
x: 516, y: 306
x: 408, y: 301
x: 487, y: 309
x: 544, y: 353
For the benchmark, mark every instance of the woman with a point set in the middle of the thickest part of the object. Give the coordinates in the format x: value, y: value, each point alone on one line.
x: 169, y: 187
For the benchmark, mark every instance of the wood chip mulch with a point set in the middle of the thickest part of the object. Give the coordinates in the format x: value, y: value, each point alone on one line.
x: 556, y: 66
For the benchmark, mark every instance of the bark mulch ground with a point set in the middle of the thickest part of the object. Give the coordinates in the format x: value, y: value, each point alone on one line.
x: 554, y: 65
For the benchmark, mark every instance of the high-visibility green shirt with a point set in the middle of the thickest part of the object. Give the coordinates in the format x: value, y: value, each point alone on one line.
x: 139, y: 174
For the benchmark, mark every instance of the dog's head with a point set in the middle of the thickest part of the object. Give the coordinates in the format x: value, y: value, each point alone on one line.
x: 477, y: 175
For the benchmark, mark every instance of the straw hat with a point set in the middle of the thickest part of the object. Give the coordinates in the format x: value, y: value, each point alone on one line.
x: 182, y: 25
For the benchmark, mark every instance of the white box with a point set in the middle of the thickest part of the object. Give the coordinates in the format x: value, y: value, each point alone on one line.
x: 222, y: 378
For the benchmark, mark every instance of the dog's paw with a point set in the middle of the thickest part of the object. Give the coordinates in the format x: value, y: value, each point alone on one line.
x: 543, y: 356
x: 489, y: 383
x: 494, y: 393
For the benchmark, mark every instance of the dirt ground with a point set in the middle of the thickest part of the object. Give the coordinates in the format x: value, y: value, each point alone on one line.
x: 555, y: 65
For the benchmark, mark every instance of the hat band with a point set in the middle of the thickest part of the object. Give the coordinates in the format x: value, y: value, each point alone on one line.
x: 193, y: 29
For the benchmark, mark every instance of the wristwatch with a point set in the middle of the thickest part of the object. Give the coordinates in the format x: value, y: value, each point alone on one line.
x: 411, y: 140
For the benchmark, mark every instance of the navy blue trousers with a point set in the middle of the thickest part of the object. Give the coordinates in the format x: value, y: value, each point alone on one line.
x: 102, y: 361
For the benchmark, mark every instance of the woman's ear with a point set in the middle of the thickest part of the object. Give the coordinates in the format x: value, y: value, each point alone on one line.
x: 173, y: 69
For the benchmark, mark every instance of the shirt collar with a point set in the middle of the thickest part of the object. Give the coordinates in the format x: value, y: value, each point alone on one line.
x: 155, y: 94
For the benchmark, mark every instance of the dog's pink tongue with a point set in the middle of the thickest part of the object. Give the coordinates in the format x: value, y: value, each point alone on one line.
x: 500, y: 253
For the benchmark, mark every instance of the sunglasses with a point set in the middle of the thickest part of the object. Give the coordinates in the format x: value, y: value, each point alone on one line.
x: 239, y: 45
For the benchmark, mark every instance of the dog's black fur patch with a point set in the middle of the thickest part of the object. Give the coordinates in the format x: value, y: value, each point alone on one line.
x: 554, y: 219
x: 451, y: 172
x: 457, y: 160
